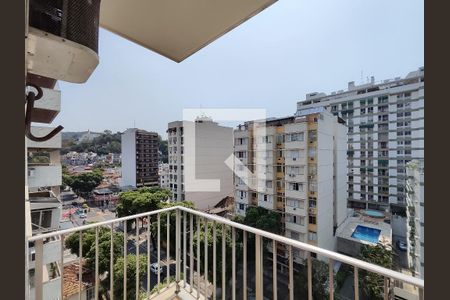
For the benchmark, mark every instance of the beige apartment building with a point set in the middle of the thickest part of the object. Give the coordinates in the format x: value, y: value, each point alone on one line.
x: 295, y: 166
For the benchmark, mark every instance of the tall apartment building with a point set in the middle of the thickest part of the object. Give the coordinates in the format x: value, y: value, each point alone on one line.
x: 416, y: 217
x: 140, y: 156
x: 297, y: 167
x: 213, y: 145
x: 43, y: 190
x: 385, y: 131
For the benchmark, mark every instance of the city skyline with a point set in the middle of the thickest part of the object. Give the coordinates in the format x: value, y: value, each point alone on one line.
x: 265, y: 63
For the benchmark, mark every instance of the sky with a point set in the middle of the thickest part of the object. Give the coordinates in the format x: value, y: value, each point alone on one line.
x: 271, y: 62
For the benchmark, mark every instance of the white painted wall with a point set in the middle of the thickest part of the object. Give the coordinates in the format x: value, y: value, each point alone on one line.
x: 128, y: 146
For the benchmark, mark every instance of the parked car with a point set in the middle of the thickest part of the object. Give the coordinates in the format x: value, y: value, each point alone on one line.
x: 154, y: 268
x: 83, y: 216
x: 401, y: 245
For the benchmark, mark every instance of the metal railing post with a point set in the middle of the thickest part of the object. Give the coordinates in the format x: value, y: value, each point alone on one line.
x: 111, y: 264
x: 38, y: 277
x: 331, y: 277
x: 356, y: 283
x: 244, y: 262
x: 274, y: 270
x: 258, y: 268
x: 178, y: 251
x: 291, y: 273
x: 310, y: 292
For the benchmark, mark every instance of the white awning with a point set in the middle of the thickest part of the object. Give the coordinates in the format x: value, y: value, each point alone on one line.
x: 176, y: 28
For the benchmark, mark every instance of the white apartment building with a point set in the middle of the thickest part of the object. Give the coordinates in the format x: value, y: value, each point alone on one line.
x: 43, y: 203
x: 140, y: 156
x: 297, y: 167
x: 163, y: 173
x: 385, y: 131
x: 212, y: 145
x: 416, y: 217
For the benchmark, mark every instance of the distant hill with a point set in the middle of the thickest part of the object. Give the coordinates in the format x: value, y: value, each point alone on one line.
x: 75, y: 135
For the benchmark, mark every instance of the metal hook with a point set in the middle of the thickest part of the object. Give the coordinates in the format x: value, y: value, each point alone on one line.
x: 30, y: 98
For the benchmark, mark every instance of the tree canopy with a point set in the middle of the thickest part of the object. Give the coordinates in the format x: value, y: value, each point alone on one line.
x: 261, y: 218
x: 372, y: 283
x: 104, y: 245
x: 83, y: 183
x: 140, y: 201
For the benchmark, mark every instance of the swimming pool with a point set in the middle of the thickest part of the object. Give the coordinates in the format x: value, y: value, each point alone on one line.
x: 374, y: 213
x: 366, y: 234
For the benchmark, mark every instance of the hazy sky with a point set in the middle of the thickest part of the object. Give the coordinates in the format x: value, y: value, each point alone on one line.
x: 271, y: 61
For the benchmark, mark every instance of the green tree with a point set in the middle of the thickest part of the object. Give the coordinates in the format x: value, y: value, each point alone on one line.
x: 83, y: 184
x: 261, y: 218
x: 104, y: 245
x: 131, y: 275
x: 373, y: 284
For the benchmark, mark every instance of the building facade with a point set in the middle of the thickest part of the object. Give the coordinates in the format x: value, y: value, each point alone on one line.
x: 385, y: 131
x: 295, y: 166
x: 416, y: 217
x: 43, y: 202
x: 210, y: 145
x: 140, y: 156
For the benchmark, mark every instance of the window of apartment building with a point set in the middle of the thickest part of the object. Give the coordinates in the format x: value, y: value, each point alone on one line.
x: 312, y: 136
x: 383, y: 99
x: 295, y: 186
x: 267, y: 139
x: 280, y: 138
x: 296, y: 219
x: 313, y: 186
x: 312, y: 219
x: 241, y: 206
x: 312, y: 203
x: 295, y: 170
x: 295, y: 203
x: 350, y: 129
x: 334, y: 108
x: 383, y: 118
x: 280, y: 169
x: 294, y: 154
x: 312, y: 236
x: 41, y: 219
x: 242, y: 194
x: 362, y: 102
x: 400, y: 105
x: 408, y: 152
x: 370, y: 101
x: 383, y: 108
x: 400, y: 152
x: 295, y: 137
x: 370, y: 110
x: 363, y: 111
x: 312, y: 153
x: 242, y: 154
x: 407, y: 132
x: 279, y: 153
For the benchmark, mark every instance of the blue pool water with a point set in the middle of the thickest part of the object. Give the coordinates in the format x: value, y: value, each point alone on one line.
x: 366, y: 234
x: 374, y: 213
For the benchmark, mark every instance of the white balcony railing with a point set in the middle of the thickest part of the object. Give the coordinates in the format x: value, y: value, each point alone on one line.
x: 191, y: 267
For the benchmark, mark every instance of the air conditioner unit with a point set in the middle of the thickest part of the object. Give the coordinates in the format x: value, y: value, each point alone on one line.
x: 294, y: 158
x: 62, y: 41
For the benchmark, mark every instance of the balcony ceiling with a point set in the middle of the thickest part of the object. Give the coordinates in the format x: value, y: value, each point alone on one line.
x: 173, y: 28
